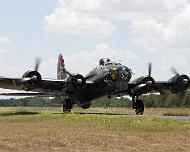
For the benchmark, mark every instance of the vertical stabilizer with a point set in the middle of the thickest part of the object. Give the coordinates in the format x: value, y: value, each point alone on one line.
x: 61, y: 74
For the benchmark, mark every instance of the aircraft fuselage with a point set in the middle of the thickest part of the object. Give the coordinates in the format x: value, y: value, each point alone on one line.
x: 107, y: 79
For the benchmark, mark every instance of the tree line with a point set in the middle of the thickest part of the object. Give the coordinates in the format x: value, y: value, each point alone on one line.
x: 151, y: 100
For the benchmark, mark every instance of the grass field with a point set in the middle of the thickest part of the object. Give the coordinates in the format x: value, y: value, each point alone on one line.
x: 148, y: 111
x: 40, y: 129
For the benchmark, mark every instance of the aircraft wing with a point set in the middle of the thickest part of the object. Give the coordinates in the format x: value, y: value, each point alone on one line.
x: 44, y: 87
x: 162, y: 85
x: 143, y: 85
x: 27, y: 94
x: 10, y: 83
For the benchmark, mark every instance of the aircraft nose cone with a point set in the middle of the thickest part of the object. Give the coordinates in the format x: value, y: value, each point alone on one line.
x: 125, y: 73
x: 119, y: 73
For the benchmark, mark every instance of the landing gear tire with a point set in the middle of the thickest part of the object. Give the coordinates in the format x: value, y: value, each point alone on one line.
x: 67, y: 105
x: 139, y: 107
x: 85, y: 105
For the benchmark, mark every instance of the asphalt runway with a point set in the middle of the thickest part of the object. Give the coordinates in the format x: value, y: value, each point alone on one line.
x: 179, y: 118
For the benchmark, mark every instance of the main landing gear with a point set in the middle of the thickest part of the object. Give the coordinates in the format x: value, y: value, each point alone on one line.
x: 138, y: 105
x: 67, y: 105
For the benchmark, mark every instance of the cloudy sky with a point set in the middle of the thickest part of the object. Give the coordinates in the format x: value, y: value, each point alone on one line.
x: 133, y: 31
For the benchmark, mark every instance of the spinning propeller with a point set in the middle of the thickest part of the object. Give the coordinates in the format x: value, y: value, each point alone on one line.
x: 180, y: 82
x: 77, y: 79
x: 33, y: 75
x: 37, y: 64
x: 149, y: 69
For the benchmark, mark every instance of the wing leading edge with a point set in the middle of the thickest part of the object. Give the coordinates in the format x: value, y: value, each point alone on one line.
x: 47, y: 87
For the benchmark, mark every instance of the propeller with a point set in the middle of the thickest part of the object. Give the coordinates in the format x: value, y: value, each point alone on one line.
x: 149, y: 69
x: 37, y: 64
x: 73, y: 76
x: 181, y: 81
x: 151, y: 80
x: 70, y: 74
x: 174, y: 71
x: 184, y: 78
x: 77, y: 79
x: 34, y: 74
x: 88, y: 77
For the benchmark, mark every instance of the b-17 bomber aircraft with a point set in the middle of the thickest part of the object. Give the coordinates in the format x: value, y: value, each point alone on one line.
x: 107, y: 79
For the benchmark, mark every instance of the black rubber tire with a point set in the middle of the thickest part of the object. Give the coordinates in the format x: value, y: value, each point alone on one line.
x: 67, y: 105
x: 86, y: 105
x: 139, y: 107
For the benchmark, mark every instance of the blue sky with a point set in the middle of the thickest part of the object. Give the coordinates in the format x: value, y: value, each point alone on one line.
x: 136, y: 32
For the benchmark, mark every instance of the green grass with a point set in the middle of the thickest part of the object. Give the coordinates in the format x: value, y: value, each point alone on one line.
x: 40, y: 130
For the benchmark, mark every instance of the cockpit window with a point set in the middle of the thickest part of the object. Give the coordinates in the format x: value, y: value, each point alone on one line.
x: 108, y: 64
x: 117, y: 63
x: 103, y: 61
x: 107, y: 61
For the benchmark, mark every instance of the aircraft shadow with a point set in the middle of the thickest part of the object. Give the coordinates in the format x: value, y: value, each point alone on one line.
x: 95, y: 113
x: 98, y: 113
x: 18, y: 113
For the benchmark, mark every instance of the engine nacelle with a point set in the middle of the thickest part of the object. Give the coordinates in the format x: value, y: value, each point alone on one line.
x: 147, y: 80
x: 32, y: 74
x: 31, y: 79
x: 142, y: 85
x: 76, y: 81
x: 179, y: 83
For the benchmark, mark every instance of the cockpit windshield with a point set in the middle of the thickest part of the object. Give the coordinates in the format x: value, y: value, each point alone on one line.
x: 110, y: 63
x: 107, y: 62
x: 103, y: 61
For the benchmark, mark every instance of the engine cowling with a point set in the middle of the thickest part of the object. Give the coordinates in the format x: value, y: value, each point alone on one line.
x: 179, y: 83
x: 32, y: 74
x: 144, y: 80
x: 30, y: 79
x: 142, y: 85
x: 76, y: 80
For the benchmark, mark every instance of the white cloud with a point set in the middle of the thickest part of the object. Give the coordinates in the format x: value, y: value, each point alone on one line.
x: 66, y: 20
x: 78, y: 62
x: 135, y: 9
x: 160, y: 27
x: 125, y: 9
x: 123, y: 6
x: 95, y: 17
x: 3, y: 51
x: 172, y: 36
x: 83, y: 61
x: 4, y: 40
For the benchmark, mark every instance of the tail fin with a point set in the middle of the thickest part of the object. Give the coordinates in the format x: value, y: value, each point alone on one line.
x: 61, y: 74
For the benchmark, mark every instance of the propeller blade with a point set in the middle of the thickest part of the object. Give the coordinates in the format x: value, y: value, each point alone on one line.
x: 69, y: 73
x: 88, y: 77
x: 174, y: 71
x: 37, y: 64
x: 149, y: 69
